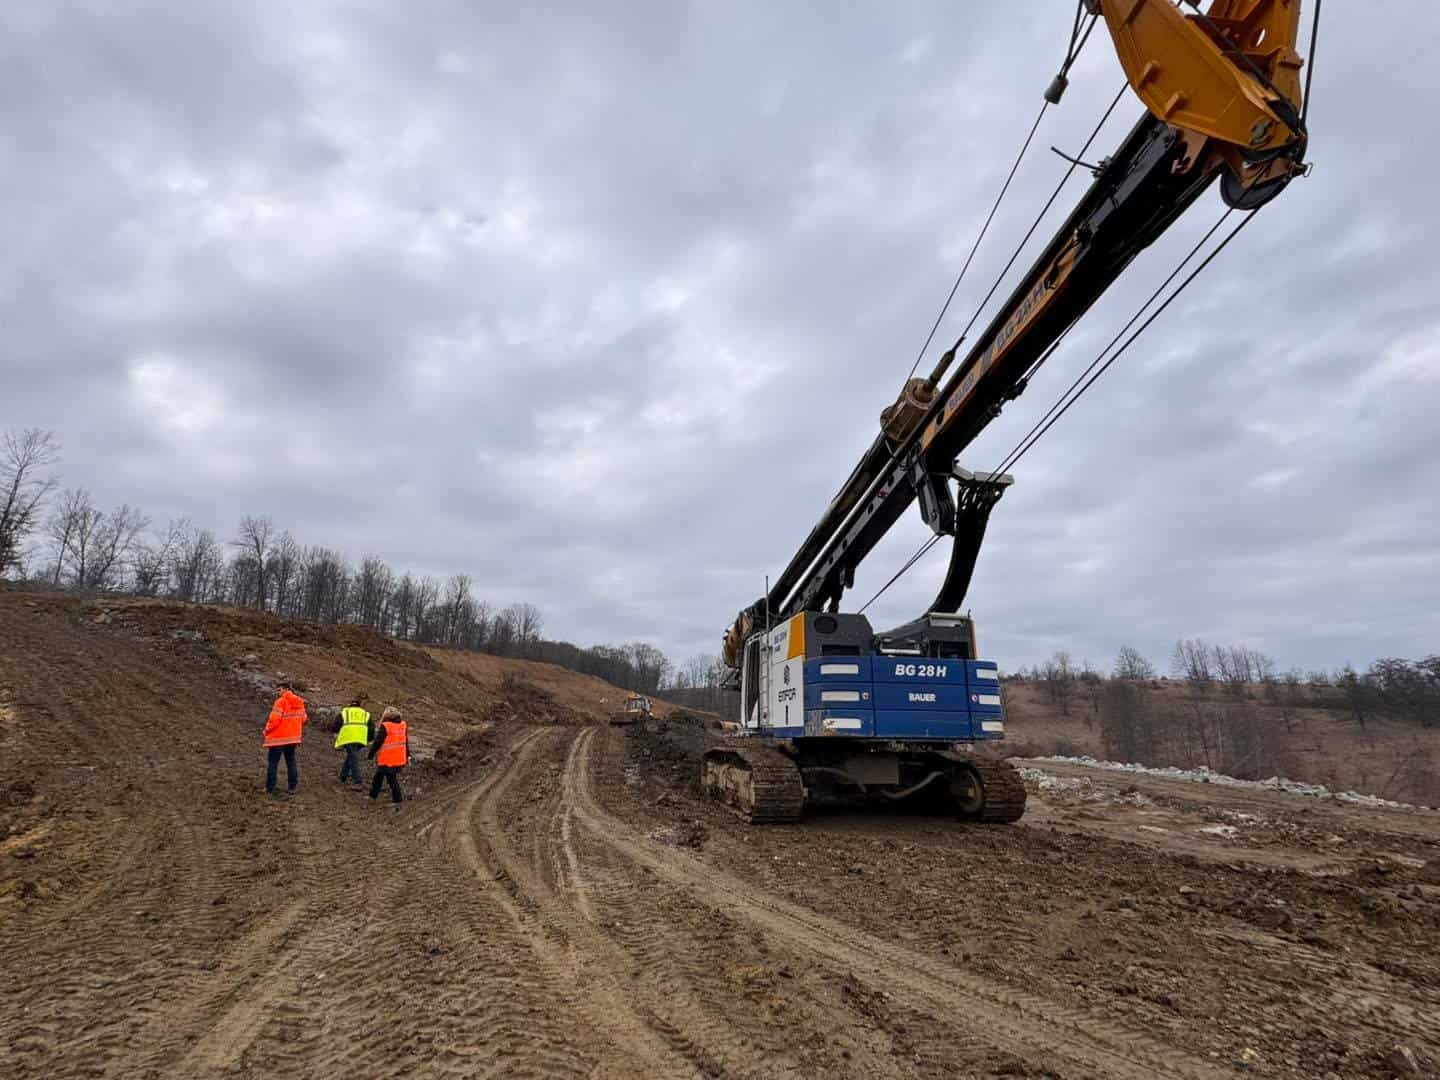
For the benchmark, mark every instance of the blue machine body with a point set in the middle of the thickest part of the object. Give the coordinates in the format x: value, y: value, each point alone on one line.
x: 899, y: 698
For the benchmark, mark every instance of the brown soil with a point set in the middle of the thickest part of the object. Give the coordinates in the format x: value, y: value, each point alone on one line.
x: 555, y: 901
x: 446, y: 691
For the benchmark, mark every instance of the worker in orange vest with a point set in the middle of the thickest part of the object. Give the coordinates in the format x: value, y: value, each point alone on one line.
x: 282, y: 736
x: 391, y: 751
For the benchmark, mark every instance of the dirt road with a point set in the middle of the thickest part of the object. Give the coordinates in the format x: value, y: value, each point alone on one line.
x: 550, y: 908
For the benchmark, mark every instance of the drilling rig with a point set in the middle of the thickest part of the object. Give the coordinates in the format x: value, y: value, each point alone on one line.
x: 830, y: 706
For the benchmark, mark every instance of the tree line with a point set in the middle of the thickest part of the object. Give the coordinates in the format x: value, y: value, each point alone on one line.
x: 1236, y: 709
x: 65, y: 540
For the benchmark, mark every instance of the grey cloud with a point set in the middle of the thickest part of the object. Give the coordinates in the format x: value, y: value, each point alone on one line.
x: 599, y: 303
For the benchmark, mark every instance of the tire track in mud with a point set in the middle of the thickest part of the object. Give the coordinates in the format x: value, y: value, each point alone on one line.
x: 566, y: 945
x: 122, y: 847
x: 710, y: 983
x: 697, y: 961
x: 1008, y: 1018
x: 356, y: 985
x: 568, y: 876
x: 513, y: 1030
x: 240, y: 1002
x: 518, y: 1008
x: 1363, y: 993
x: 256, y: 992
x: 188, y: 868
x: 104, y: 977
x: 242, y: 971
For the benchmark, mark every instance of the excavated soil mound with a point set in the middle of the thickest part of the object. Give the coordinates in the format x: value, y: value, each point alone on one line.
x: 470, y: 752
x: 230, y: 629
x: 667, y: 751
x: 524, y: 702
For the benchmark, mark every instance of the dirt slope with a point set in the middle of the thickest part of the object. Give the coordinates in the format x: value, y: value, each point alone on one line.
x: 550, y: 904
x: 445, y: 690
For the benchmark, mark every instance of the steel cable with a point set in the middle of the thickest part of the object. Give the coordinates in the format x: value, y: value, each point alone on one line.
x: 1011, y: 457
x: 1072, y: 53
x: 976, y: 247
x: 1025, y: 446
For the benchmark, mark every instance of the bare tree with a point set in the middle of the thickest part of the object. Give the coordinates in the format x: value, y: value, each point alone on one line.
x: 1058, y: 678
x: 114, y: 545
x: 649, y: 665
x: 1359, y: 695
x: 1191, y: 662
x: 241, y: 582
x: 456, y: 609
x: 24, y: 485
x: 283, y: 571
x: 154, y: 558
x: 1231, y: 666
x: 1198, y: 731
x: 1409, y: 690
x: 74, y: 529
x: 197, y: 564
x: 528, y: 623
x: 1254, y: 745
x: 1131, y: 665
x: 697, y: 670
x: 427, y: 592
x: 1127, y: 722
x: 502, y: 632
x: 338, y: 606
x: 1291, y: 697
x: 324, y: 584
x: 1239, y: 667
x: 481, y: 629
x: 404, y: 608
x: 374, y: 583
x: 1265, y: 667
x: 255, y: 538
x: 20, y: 566
x: 696, y: 683
x: 60, y: 529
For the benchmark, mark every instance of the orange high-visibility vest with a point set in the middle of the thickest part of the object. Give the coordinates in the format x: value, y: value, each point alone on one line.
x: 393, y: 749
x: 287, y: 717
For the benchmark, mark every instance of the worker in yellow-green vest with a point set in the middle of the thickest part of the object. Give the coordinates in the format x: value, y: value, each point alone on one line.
x: 356, y: 728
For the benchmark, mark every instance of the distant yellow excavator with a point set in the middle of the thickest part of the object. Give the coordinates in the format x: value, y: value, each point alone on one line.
x: 826, y: 703
x: 637, y: 707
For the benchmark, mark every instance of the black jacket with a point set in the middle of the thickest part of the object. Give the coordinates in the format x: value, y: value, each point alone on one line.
x: 370, y: 723
x: 378, y: 740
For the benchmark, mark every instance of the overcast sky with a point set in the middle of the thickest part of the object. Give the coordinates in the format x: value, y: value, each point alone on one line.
x: 599, y: 303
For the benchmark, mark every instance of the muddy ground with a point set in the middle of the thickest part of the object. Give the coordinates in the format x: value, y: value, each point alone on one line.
x: 556, y: 901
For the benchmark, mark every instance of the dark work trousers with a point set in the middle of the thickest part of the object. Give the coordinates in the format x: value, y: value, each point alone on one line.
x: 272, y: 767
x: 350, y: 769
x: 389, y: 773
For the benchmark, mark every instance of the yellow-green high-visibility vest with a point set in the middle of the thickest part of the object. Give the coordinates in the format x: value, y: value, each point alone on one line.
x: 354, y: 727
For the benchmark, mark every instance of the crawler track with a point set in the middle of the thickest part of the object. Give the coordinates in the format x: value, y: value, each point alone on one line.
x: 757, y: 782
x: 1004, y: 792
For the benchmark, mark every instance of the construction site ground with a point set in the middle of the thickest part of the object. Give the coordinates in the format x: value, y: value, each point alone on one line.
x: 556, y: 900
